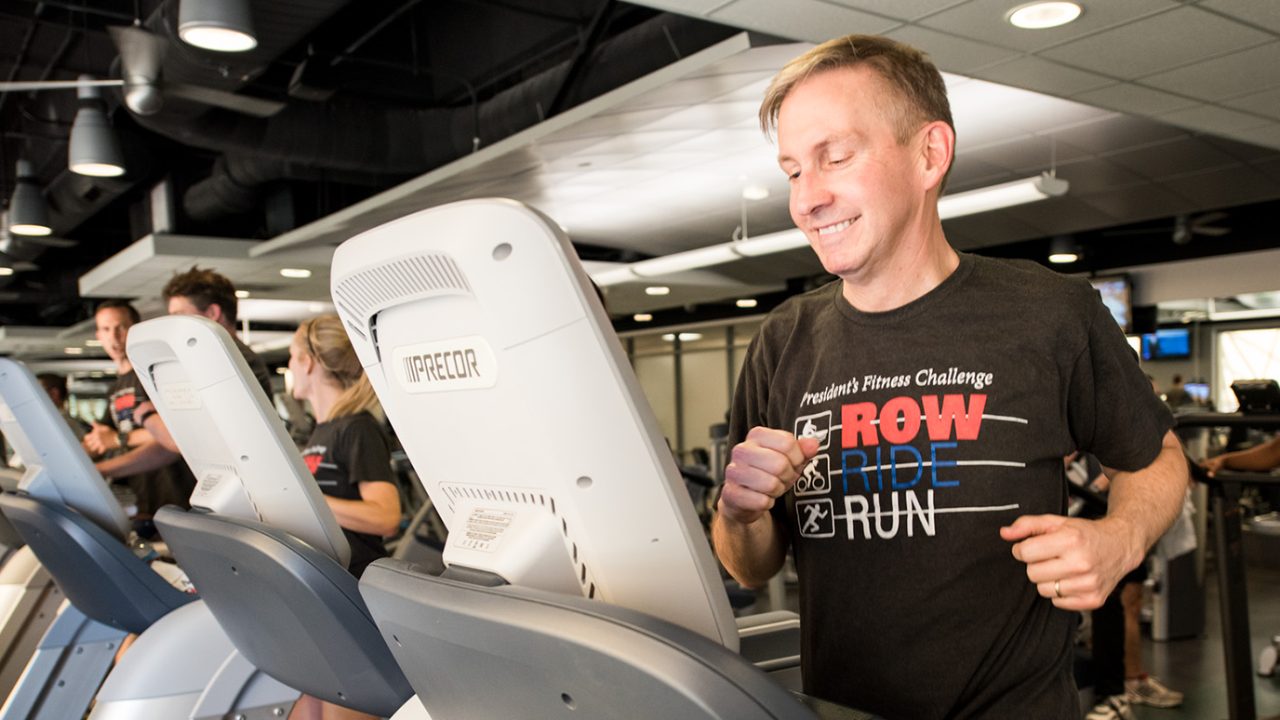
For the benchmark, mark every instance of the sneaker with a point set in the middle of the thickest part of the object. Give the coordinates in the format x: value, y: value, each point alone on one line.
x: 1115, y: 707
x: 1147, y: 690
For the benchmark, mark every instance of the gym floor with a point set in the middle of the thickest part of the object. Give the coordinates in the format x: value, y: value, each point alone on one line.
x: 1195, y: 666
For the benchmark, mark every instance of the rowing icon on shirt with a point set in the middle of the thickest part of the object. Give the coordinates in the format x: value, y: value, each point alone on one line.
x: 815, y: 426
x: 816, y: 477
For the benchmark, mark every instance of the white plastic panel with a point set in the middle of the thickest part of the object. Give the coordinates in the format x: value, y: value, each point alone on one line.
x: 509, y: 387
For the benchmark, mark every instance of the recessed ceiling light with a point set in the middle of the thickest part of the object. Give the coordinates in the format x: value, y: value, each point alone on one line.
x: 1042, y: 15
x: 657, y: 290
x: 281, y: 370
x: 684, y: 337
x: 242, y: 294
x: 747, y: 303
x: 73, y: 350
x: 5, y: 271
x: 92, y: 343
x: 295, y: 272
x: 642, y: 317
x: 1063, y: 258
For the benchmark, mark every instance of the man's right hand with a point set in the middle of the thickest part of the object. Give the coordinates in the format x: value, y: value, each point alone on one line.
x: 100, y: 439
x: 761, y: 469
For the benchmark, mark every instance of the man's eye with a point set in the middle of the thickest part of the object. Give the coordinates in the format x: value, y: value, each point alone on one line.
x: 794, y: 175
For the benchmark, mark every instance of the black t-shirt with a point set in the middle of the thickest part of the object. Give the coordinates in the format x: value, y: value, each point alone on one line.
x: 173, y: 483
x: 342, y: 453
x: 156, y: 488
x: 939, y: 422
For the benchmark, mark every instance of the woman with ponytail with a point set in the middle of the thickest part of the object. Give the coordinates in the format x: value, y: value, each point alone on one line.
x: 348, y: 452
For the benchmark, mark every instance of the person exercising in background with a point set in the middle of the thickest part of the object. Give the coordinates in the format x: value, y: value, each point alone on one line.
x: 348, y: 453
x: 56, y: 387
x: 937, y: 568
x: 208, y: 294
x: 152, y: 485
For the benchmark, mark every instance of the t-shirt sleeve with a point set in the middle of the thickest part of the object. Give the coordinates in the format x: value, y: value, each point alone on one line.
x: 1112, y: 410
x: 750, y: 407
x: 367, y: 455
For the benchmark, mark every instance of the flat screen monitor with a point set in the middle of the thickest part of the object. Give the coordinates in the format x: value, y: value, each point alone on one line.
x: 1197, y: 391
x: 57, y: 468
x: 496, y: 364
x: 1116, y: 295
x: 1167, y: 344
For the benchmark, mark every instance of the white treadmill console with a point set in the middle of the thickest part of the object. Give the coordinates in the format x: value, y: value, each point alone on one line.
x: 57, y: 468
x: 495, y: 362
x: 245, y: 464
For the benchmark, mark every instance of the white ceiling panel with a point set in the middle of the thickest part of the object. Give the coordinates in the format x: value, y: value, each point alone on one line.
x: 1131, y: 98
x: 1171, y: 39
x: 1226, y: 76
x: 1268, y: 135
x: 1263, y: 13
x: 986, y: 19
x: 810, y: 20
x: 957, y: 54
x: 1215, y: 119
x: 901, y: 9
x: 1265, y: 103
x: 1030, y: 71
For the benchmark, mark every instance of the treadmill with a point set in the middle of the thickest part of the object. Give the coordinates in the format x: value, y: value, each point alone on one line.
x: 578, y: 580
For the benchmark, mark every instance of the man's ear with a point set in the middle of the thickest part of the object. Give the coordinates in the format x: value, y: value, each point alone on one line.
x: 937, y: 151
x: 213, y: 312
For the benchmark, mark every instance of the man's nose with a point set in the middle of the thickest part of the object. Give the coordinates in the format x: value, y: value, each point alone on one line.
x: 809, y: 194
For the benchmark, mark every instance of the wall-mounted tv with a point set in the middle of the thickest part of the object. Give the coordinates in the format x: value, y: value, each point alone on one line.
x: 1167, y: 344
x: 1116, y: 294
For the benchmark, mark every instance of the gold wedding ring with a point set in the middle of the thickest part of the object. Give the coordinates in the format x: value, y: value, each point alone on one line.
x: 1057, y: 588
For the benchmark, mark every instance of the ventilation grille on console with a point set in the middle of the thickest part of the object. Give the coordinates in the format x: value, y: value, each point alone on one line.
x: 379, y: 286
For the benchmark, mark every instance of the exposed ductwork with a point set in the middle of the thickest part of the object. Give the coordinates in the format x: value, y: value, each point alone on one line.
x: 282, y: 23
x: 345, y: 136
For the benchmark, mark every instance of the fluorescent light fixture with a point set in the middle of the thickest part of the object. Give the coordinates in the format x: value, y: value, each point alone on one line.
x: 242, y: 294
x: 1017, y: 192
x: 5, y: 271
x: 679, y: 262
x: 755, y: 192
x: 642, y: 317
x: 684, y: 337
x: 28, y: 212
x: 1043, y: 15
x: 1008, y: 194
x: 218, y: 25
x: 94, y: 149
x: 747, y: 303
x: 282, y: 370
x: 657, y: 290
x: 297, y: 273
x: 73, y: 350
x: 92, y: 343
x: 769, y: 244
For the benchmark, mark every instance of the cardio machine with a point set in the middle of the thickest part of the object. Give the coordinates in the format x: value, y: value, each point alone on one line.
x: 578, y: 580
x: 29, y: 598
x: 260, y: 543
x: 68, y: 517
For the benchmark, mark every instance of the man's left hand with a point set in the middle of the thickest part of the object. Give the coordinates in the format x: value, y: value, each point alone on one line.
x: 1075, y: 563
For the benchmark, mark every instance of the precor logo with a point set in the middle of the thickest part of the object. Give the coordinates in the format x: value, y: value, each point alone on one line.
x: 457, y: 364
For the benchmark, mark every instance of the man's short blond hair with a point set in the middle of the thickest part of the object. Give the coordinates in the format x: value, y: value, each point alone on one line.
x: 922, y: 95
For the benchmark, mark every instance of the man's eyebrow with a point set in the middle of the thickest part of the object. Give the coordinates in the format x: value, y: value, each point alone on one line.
x: 818, y: 149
